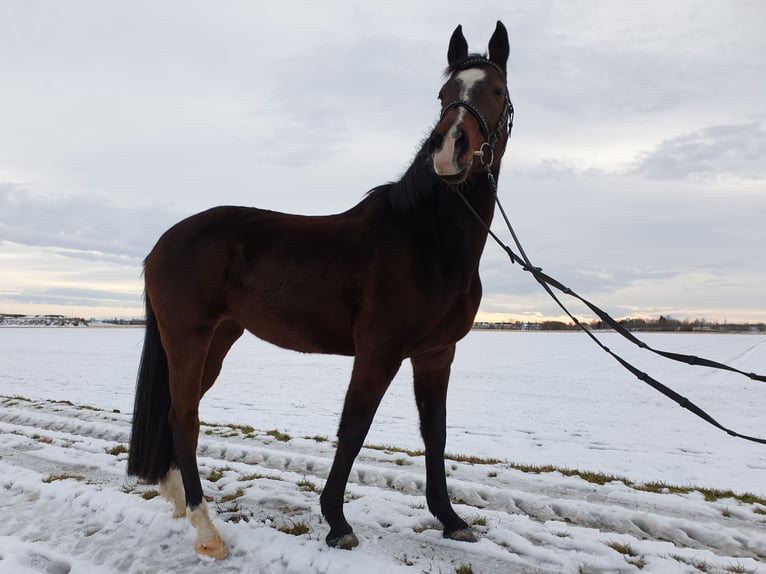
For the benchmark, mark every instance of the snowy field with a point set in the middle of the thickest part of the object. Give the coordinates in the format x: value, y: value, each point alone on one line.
x: 524, y: 398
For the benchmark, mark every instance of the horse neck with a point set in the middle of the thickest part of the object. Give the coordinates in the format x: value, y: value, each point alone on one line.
x: 477, y: 192
x: 427, y: 203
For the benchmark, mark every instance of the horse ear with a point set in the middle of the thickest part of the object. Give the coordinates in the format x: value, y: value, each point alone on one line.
x: 498, y: 46
x: 458, y: 47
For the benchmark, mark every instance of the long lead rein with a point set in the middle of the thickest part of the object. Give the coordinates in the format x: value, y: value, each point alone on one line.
x: 546, y: 282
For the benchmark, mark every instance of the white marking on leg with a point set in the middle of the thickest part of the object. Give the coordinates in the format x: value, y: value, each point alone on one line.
x: 444, y: 158
x: 172, y: 488
x: 208, y: 541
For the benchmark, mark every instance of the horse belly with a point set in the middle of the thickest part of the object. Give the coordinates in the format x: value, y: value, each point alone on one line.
x: 302, y: 333
x: 305, y: 316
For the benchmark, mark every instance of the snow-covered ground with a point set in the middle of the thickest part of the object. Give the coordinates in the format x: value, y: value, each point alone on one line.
x: 528, y: 398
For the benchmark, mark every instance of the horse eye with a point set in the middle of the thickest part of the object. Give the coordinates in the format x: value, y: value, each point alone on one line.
x: 498, y: 92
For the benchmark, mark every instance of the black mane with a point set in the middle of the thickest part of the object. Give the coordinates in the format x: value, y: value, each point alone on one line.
x: 417, y: 187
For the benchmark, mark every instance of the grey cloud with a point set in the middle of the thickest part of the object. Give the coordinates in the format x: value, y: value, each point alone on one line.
x: 85, y: 227
x: 74, y: 297
x: 725, y: 150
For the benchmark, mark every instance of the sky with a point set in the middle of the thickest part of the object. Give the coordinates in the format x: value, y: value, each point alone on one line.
x: 636, y: 173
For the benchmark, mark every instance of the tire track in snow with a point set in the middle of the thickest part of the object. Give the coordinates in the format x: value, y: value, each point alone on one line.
x: 527, y: 522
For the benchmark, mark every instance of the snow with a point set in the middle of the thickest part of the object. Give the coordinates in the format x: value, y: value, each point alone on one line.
x: 531, y: 398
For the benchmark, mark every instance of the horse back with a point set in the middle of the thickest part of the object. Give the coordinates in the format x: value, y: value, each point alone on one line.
x: 313, y: 283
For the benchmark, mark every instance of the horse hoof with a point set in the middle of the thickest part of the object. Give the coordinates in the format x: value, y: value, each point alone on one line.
x: 344, y: 542
x: 461, y: 535
x: 214, y: 548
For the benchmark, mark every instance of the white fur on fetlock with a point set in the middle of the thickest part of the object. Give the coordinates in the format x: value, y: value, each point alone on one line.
x: 208, y: 542
x: 172, y: 489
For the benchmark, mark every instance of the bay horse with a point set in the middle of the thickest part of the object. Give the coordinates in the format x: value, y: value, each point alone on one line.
x: 392, y: 278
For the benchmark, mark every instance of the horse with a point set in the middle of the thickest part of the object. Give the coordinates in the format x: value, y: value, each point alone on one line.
x: 393, y: 278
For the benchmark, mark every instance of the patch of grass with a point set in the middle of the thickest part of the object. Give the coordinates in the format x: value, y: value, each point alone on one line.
x: 592, y: 477
x: 149, y: 494
x: 662, y: 488
x: 257, y: 475
x: 316, y: 438
x: 280, y: 436
x: 217, y: 474
x: 492, y: 474
x: 710, y: 494
x: 63, y: 476
x: 622, y: 548
x: 631, y: 556
x: 117, y: 450
x: 639, y: 562
x: 470, y: 459
x: 14, y: 400
x: 233, y: 496
x: 464, y: 569
x: 699, y: 565
x: 228, y: 430
x: 758, y: 510
x: 740, y: 569
x: 713, y: 494
x: 387, y: 448
x: 86, y: 408
x: 400, y: 461
x: 296, y: 528
x: 478, y: 521
x: 307, y: 485
x: 43, y: 439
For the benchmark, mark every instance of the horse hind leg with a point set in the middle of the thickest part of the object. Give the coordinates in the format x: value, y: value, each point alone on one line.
x: 172, y: 489
x: 208, y: 540
x: 226, y: 334
x: 187, y: 355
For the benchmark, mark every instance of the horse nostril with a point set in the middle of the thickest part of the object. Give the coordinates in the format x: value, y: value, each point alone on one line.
x: 435, y: 142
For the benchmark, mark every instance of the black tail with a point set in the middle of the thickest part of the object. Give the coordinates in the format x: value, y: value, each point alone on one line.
x: 151, y: 440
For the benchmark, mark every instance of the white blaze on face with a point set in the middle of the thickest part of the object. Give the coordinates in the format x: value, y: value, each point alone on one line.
x: 444, y: 158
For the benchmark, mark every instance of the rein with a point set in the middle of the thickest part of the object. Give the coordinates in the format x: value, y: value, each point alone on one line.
x: 549, y: 283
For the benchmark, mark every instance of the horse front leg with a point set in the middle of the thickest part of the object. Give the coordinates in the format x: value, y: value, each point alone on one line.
x: 369, y: 381
x: 431, y: 377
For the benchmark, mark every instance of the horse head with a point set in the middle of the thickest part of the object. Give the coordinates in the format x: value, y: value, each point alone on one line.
x: 476, y: 109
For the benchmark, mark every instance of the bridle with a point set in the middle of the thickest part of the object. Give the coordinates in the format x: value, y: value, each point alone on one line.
x: 490, y: 138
